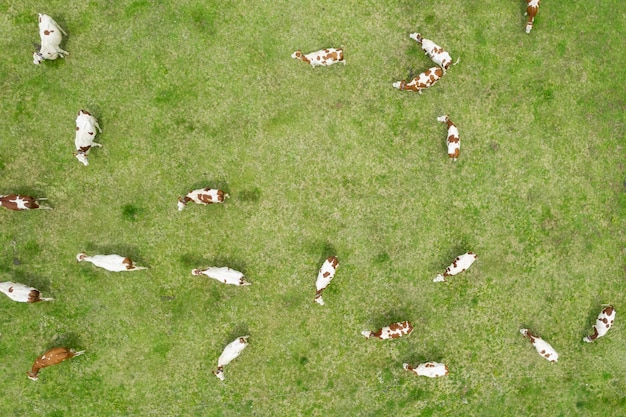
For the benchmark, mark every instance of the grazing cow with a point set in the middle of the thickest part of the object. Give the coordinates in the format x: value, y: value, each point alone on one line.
x: 434, y: 51
x: 50, y: 34
x: 393, y: 331
x: 453, y: 141
x: 86, y: 126
x: 324, y: 276
x: 323, y: 58
x: 52, y: 357
x: 460, y: 264
x: 18, y: 202
x: 202, y: 196
x: 429, y: 369
x: 421, y: 82
x: 22, y: 293
x: 543, y: 347
x: 223, y: 274
x: 531, y: 11
x: 603, y: 324
x: 231, y: 351
x: 113, y: 263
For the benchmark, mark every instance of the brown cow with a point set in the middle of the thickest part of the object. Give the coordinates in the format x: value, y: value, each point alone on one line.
x: 422, y: 81
x: 18, y: 202
x: 51, y: 357
x: 393, y: 331
x: 531, y: 11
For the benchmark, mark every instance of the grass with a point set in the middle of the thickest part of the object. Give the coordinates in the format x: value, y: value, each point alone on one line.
x: 317, y: 162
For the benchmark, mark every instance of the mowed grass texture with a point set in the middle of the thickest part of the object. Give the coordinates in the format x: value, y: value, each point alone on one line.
x: 318, y: 162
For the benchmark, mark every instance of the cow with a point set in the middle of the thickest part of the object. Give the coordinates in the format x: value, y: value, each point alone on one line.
x: 231, y: 351
x: 603, y: 324
x: 532, y: 7
x: 324, y: 276
x: 19, y: 202
x: 393, y: 331
x: 322, y: 58
x: 543, y: 347
x: 86, y: 126
x: 422, y: 81
x: 460, y: 264
x: 51, y: 357
x: 223, y: 274
x: 429, y: 369
x: 202, y: 196
x: 453, y: 141
x: 22, y: 293
x: 113, y: 263
x: 50, y: 34
x: 434, y: 51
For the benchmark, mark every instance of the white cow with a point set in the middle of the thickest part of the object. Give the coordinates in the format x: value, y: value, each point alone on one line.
x: 429, y: 369
x: 86, y: 126
x: 543, y: 347
x: 223, y: 274
x: 231, y: 351
x: 603, y: 324
x: 453, y: 141
x: 113, y: 263
x: 21, y: 293
x: 202, y: 196
x: 460, y: 264
x: 322, y: 58
x: 324, y: 276
x: 434, y: 51
x: 50, y: 34
x: 393, y: 331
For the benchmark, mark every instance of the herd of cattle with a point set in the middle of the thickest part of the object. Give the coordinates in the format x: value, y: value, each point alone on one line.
x: 86, y: 125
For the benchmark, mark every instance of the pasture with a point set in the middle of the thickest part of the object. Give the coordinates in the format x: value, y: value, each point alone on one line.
x: 318, y: 162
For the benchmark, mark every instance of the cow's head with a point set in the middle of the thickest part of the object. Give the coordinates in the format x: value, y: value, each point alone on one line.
x: 32, y: 375
x: 82, y: 157
x: 219, y: 373
x: 37, y: 58
x: 297, y: 55
x: 196, y: 272
x: 399, y: 84
x: 443, y: 119
x: 416, y: 36
x: 81, y: 256
x: 181, y: 204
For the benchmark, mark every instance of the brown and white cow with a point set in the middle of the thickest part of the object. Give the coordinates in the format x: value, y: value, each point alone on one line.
x: 324, y: 276
x: 86, y: 126
x: 603, y: 324
x: 460, y: 264
x: 50, y: 34
x: 231, y: 351
x: 202, y: 196
x: 393, y: 331
x: 18, y: 202
x: 113, y: 263
x: 321, y: 58
x: 532, y: 7
x: 429, y: 369
x: 223, y: 274
x: 435, y: 52
x: 422, y: 81
x: 22, y: 293
x: 53, y: 356
x: 543, y: 347
x: 453, y: 141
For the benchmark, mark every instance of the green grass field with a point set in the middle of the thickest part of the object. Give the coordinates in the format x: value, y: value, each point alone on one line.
x: 317, y: 162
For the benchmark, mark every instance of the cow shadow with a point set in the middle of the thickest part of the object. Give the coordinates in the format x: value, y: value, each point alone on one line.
x: 35, y: 281
x: 395, y: 315
x: 126, y: 251
x: 215, y: 183
x: 416, y: 358
x: 240, y: 330
x: 68, y: 340
x: 327, y: 250
x: 192, y: 261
